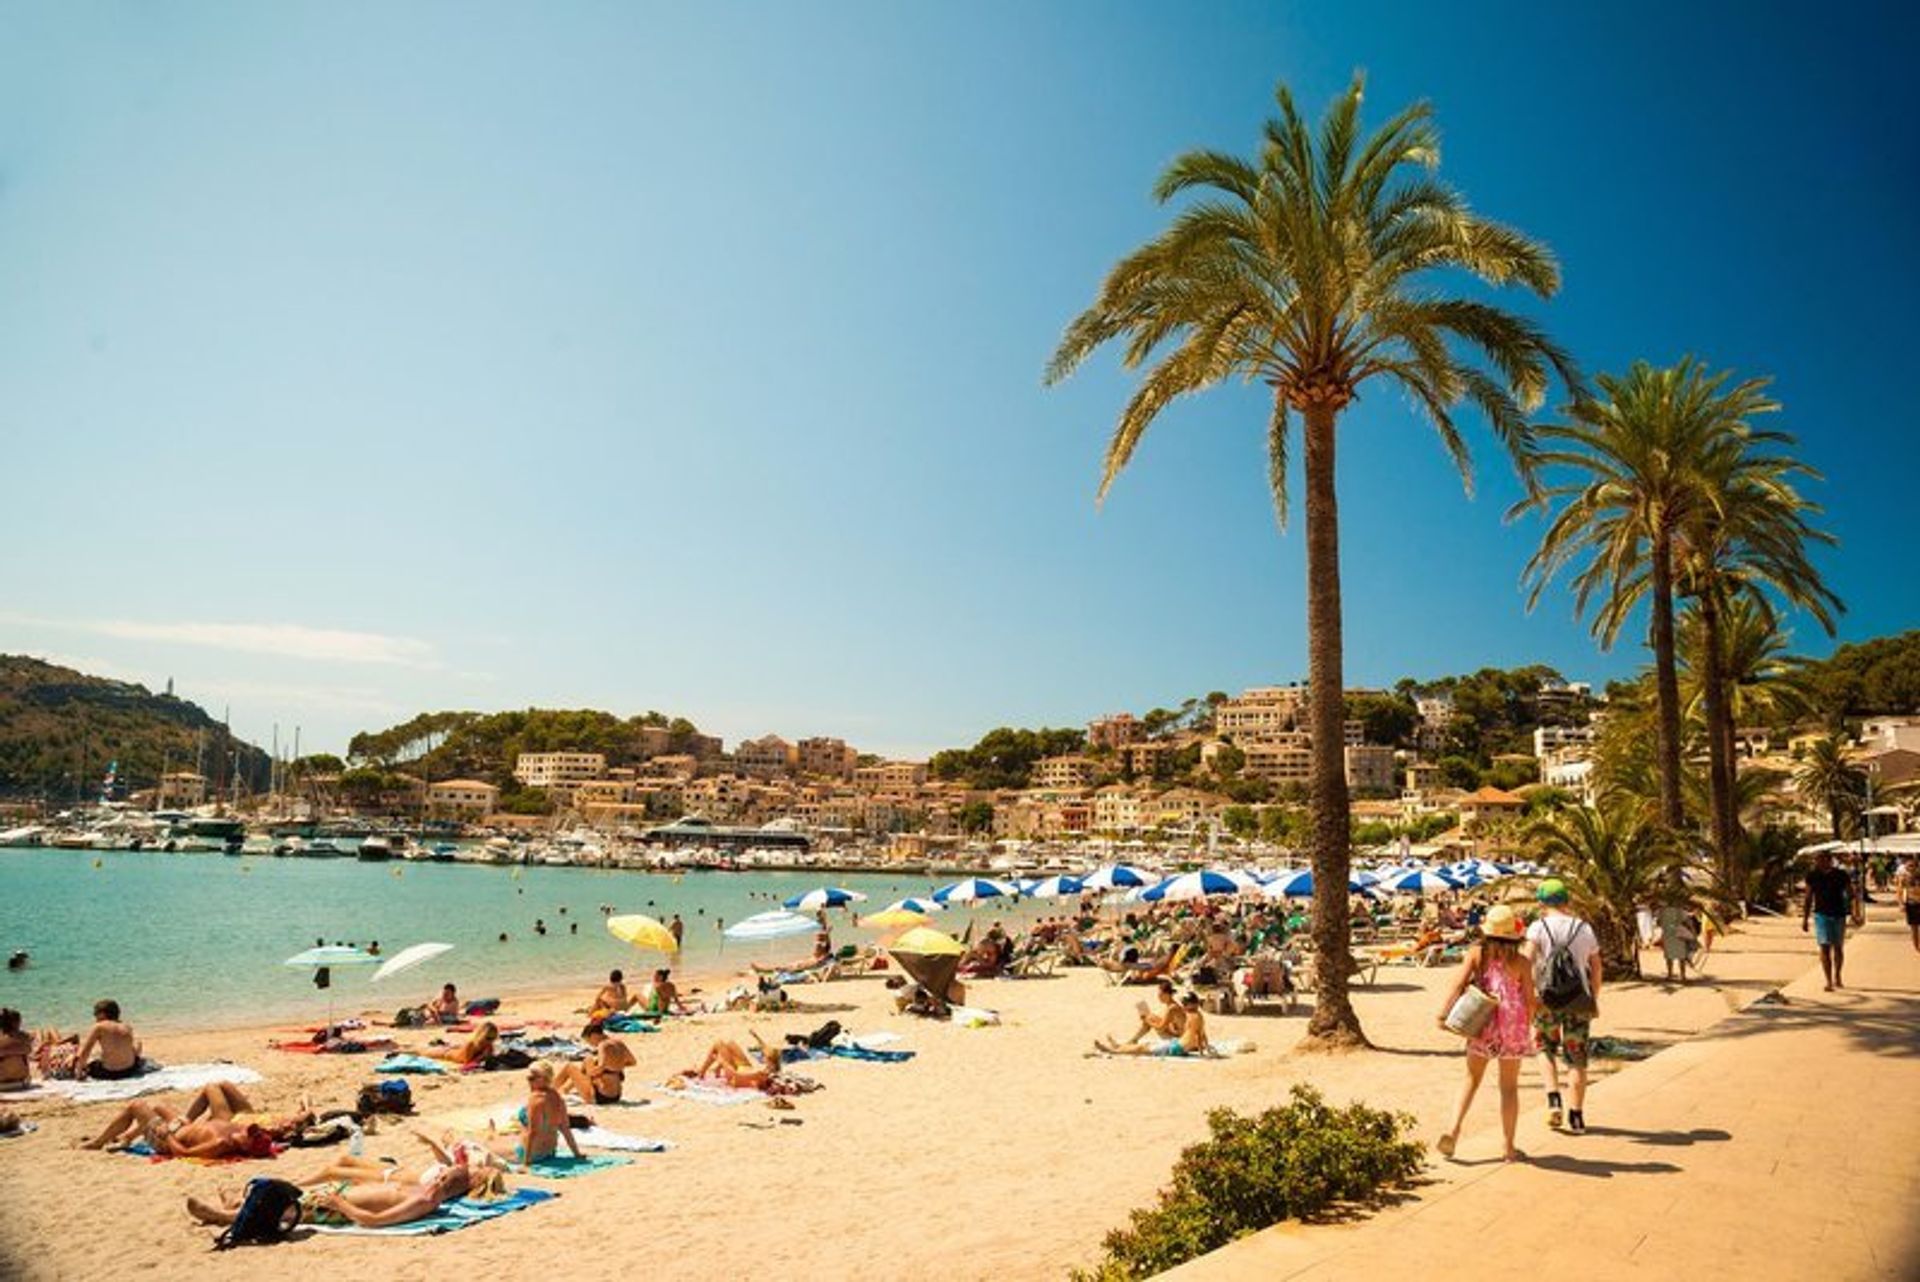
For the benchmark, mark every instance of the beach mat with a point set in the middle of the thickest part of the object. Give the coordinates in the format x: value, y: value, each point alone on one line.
x: 629, y: 1024
x: 566, y: 1168
x: 709, y: 1093
x: 411, y: 1064
x: 452, y: 1217
x: 181, y: 1077
x: 146, y: 1152
x: 615, y: 1141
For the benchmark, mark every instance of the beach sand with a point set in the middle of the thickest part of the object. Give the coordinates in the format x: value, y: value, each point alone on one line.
x: 996, y: 1152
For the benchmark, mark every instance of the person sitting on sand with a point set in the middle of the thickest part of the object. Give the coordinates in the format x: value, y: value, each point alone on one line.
x: 119, y: 1048
x: 371, y: 1206
x: 603, y: 1074
x: 663, y: 996
x: 542, y: 1120
x: 1192, y: 1038
x: 1167, y: 1021
x: 727, y: 1062
x: 475, y: 1050
x: 16, y: 1048
x: 445, y: 1009
x: 612, y: 997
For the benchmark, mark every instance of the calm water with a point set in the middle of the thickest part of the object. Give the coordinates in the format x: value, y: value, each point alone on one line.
x: 201, y: 937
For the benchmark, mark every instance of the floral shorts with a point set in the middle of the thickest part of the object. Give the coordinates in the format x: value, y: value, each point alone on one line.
x: 1563, y: 1033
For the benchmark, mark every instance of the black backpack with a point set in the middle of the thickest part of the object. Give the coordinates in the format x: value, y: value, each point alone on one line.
x: 270, y: 1211
x: 385, y: 1096
x: 1566, y: 987
x: 819, y: 1039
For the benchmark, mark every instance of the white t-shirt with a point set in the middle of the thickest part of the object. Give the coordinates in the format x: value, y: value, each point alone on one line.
x: 1562, y: 930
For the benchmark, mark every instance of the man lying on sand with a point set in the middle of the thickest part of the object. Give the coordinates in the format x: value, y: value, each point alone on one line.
x: 371, y: 1206
x: 220, y: 1121
x: 1191, y: 1041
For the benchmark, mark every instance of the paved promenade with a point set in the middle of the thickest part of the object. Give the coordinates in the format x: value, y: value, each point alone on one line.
x: 1783, y: 1142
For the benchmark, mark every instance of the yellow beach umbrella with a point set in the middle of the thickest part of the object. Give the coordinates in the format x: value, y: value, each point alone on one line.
x: 894, y: 918
x: 924, y: 941
x: 643, y: 932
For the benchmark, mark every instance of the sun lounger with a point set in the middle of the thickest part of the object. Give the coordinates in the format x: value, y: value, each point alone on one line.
x: 1037, y: 965
x: 453, y: 1216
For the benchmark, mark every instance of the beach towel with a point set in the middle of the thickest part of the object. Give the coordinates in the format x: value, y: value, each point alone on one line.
x: 629, y: 1024
x: 712, y: 1093
x: 868, y: 1053
x: 565, y: 1168
x: 615, y: 1141
x: 411, y: 1064
x: 26, y: 1128
x: 181, y: 1077
x: 453, y: 1216
x: 548, y: 1047
x: 975, y: 1016
x: 146, y: 1152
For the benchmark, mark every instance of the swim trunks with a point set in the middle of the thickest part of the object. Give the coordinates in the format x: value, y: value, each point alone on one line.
x: 1564, y: 1033
x: 101, y: 1073
x: 1829, y: 932
x: 1172, y: 1050
x: 1913, y: 913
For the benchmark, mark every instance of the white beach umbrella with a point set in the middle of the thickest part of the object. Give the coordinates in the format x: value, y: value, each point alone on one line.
x: 775, y: 924
x: 408, y: 958
x: 322, y: 960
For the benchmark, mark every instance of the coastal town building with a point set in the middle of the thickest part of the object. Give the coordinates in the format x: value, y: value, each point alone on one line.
x: 652, y: 741
x: 764, y: 757
x: 180, y: 788
x: 1286, y: 757
x: 1261, y: 711
x: 1879, y: 733
x: 828, y: 758
x: 462, y: 798
x: 1140, y: 757
x: 1487, y: 806
x: 548, y: 769
x: 1370, y: 768
x: 1553, y: 741
x: 1115, y: 730
x: 890, y: 776
x: 1062, y: 772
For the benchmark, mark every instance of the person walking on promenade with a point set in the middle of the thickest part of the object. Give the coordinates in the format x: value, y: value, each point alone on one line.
x: 1906, y: 888
x: 1566, y: 975
x: 1503, y: 973
x: 1829, y: 902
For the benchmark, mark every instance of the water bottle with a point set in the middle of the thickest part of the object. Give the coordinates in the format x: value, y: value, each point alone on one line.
x: 356, y: 1139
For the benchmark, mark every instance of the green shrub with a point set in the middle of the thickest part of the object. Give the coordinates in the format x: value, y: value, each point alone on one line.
x: 1288, y: 1162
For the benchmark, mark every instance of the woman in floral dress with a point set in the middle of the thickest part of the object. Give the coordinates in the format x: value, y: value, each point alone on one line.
x: 1503, y: 973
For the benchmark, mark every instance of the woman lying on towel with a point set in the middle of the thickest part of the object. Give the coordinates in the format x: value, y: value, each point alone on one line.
x: 371, y: 1206
x: 474, y: 1050
x: 484, y: 1170
x: 730, y: 1064
x: 220, y: 1121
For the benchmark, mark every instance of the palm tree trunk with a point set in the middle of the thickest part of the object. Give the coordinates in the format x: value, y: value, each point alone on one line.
x: 1720, y: 779
x: 1666, y: 682
x: 1334, y: 1022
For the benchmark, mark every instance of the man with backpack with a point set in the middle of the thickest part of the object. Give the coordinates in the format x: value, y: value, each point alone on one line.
x: 1566, y: 974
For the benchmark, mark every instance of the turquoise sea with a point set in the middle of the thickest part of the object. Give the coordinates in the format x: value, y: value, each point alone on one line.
x: 199, y: 938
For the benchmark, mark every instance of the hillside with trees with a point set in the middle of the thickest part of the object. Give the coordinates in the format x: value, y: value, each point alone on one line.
x: 447, y: 745
x: 61, y: 729
x: 1004, y: 757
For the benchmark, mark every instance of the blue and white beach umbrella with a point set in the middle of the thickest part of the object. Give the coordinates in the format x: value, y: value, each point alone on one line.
x: 774, y: 924
x: 974, y: 889
x: 1192, y: 885
x: 1117, y: 877
x: 1058, y: 887
x: 824, y: 897
x: 916, y: 904
x: 1421, y: 882
x: 1300, y: 886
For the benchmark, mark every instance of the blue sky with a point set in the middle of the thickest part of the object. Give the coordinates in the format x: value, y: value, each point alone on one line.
x: 360, y: 359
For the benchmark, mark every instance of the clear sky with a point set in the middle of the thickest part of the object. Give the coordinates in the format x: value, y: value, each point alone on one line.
x: 359, y: 359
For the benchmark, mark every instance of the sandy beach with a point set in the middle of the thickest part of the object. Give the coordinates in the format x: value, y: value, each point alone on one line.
x: 995, y: 1152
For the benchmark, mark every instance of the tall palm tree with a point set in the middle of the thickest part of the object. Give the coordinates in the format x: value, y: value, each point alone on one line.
x: 1748, y: 543
x: 1643, y: 459
x: 1310, y: 269
x: 1827, y: 777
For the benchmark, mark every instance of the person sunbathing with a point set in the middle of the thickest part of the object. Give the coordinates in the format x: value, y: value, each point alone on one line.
x: 612, y: 997
x: 16, y: 1048
x: 1167, y: 1021
x: 169, y: 1133
x: 1192, y: 1039
x: 483, y: 1167
x: 1145, y: 970
x: 728, y: 1062
x: 475, y: 1050
x: 119, y: 1049
x: 225, y: 1102
x: 822, y: 956
x: 445, y: 1009
x: 542, y: 1121
x: 371, y: 1206
x: 602, y: 1076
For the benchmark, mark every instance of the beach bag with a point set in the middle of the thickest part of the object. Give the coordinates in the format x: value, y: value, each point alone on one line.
x: 1565, y: 988
x: 389, y: 1096
x: 409, y: 1017
x: 1472, y: 1012
x: 270, y: 1212
x: 511, y: 1057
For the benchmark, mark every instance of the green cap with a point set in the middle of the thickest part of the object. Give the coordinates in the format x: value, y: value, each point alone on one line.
x: 1552, y: 891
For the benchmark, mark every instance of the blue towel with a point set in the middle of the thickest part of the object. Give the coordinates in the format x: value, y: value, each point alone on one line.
x: 454, y: 1215
x: 629, y: 1024
x: 872, y: 1056
x: 565, y: 1168
x: 398, y: 1063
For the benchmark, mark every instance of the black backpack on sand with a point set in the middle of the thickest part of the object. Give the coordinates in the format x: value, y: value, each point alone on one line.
x: 269, y: 1213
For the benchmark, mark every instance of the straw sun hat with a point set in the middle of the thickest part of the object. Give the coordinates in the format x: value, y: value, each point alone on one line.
x: 1503, y: 923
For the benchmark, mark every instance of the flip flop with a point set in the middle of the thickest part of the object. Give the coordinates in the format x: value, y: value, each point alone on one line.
x: 1445, y: 1145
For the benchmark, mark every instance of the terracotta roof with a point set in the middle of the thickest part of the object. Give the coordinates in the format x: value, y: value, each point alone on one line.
x: 1488, y: 795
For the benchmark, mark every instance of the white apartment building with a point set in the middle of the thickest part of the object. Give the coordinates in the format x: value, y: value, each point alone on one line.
x: 548, y: 769
x: 1117, y: 809
x: 1260, y: 711
x: 1555, y: 741
x: 1881, y: 733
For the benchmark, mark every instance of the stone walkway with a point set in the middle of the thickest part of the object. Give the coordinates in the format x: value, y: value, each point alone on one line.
x: 1783, y: 1142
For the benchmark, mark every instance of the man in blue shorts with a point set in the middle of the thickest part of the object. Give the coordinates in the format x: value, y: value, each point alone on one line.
x: 1829, y: 902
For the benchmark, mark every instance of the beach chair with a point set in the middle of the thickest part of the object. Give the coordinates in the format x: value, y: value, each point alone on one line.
x: 1152, y: 973
x: 1034, y: 965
